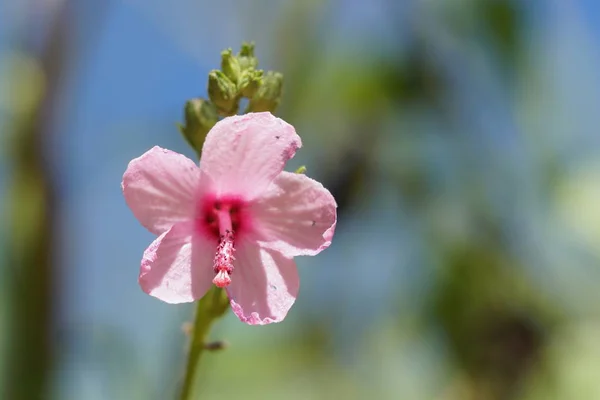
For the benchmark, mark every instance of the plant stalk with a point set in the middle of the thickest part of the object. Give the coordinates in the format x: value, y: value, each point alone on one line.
x: 210, y: 308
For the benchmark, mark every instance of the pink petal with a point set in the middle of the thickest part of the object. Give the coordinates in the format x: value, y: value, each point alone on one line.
x: 159, y: 187
x: 244, y: 153
x: 177, y: 267
x: 264, y: 285
x: 296, y: 216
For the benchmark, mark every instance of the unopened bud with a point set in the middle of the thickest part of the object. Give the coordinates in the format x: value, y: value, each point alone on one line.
x: 222, y: 93
x: 246, y: 57
x: 230, y: 65
x: 250, y: 82
x: 200, y: 116
x: 268, y: 95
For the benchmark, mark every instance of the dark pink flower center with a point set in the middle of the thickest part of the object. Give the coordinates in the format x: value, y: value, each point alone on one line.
x: 210, y: 213
x: 222, y: 218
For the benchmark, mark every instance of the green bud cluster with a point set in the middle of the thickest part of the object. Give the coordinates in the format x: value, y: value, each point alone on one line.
x: 239, y: 77
x: 268, y: 95
x: 200, y: 116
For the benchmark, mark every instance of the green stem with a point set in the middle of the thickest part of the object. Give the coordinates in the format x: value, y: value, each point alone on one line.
x: 210, y: 307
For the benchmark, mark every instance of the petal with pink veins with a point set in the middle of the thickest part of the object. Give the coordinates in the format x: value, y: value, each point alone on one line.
x: 296, y: 216
x: 244, y: 153
x: 160, y: 188
x: 264, y: 285
x: 177, y: 267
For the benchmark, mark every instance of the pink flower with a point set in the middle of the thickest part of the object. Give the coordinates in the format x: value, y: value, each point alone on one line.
x: 236, y: 221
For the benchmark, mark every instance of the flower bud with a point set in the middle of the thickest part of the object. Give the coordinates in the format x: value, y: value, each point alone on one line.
x: 246, y: 57
x: 250, y: 82
x: 222, y: 93
x: 230, y: 65
x: 200, y: 116
x: 268, y: 95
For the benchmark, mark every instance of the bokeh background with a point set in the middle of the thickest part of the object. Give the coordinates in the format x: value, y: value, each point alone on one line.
x: 459, y: 137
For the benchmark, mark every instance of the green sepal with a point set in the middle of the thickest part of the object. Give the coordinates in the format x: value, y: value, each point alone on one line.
x: 268, y: 95
x: 223, y: 93
x: 230, y: 66
x: 246, y: 56
x: 200, y: 116
x: 250, y: 82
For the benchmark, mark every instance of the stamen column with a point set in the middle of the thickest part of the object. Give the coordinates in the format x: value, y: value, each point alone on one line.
x: 223, y: 263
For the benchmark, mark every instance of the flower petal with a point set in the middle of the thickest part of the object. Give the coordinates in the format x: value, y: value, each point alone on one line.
x: 264, y: 285
x: 159, y: 187
x: 296, y: 216
x: 244, y: 153
x: 177, y: 267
